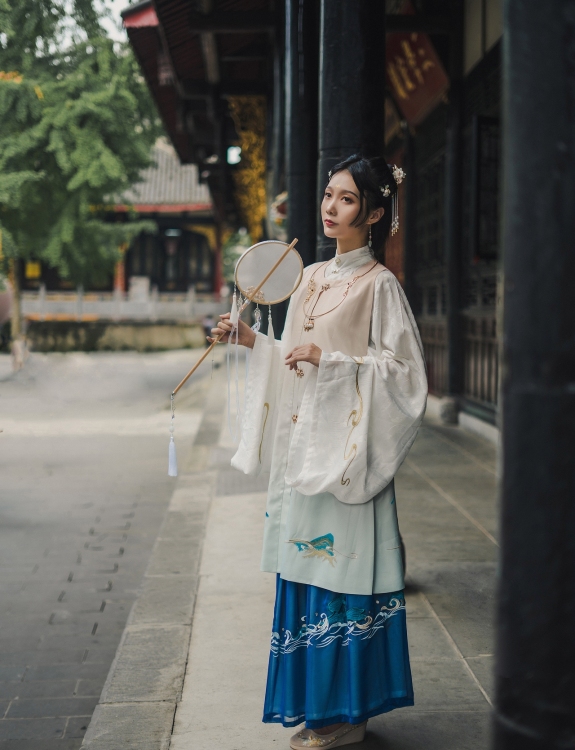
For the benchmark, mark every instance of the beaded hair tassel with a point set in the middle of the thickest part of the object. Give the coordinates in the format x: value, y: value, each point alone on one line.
x: 398, y: 176
x: 394, y: 215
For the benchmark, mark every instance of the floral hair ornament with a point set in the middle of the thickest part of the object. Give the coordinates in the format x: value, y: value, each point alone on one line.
x: 398, y: 174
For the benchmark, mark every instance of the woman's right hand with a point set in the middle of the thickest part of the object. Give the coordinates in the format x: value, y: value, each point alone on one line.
x: 246, y: 337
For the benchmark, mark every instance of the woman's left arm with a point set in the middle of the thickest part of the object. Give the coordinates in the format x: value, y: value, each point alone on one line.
x: 365, y: 411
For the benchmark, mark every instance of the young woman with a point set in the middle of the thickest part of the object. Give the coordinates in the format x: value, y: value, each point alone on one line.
x: 332, y: 410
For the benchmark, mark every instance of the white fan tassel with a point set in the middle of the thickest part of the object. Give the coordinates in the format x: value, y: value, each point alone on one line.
x: 234, y: 312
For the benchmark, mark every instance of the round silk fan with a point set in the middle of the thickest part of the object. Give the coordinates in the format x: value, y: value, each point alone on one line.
x: 256, y: 262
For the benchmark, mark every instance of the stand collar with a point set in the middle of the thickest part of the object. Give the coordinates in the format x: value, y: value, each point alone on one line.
x: 345, y: 263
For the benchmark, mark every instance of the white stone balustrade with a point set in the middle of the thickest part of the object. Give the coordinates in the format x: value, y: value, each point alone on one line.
x: 155, y: 306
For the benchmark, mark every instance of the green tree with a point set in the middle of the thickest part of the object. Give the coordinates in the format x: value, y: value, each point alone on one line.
x: 76, y: 128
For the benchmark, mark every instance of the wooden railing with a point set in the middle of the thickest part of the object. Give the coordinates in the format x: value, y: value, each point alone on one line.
x: 434, y: 338
x: 481, y: 372
x: 481, y: 358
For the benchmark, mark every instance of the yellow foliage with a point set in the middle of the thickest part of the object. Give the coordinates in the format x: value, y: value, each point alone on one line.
x: 249, y: 116
x: 11, y: 75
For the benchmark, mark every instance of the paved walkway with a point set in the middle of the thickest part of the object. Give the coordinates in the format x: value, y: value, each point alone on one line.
x: 83, y: 491
x: 446, y: 501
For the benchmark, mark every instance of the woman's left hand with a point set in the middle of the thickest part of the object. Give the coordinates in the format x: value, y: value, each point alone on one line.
x: 307, y: 353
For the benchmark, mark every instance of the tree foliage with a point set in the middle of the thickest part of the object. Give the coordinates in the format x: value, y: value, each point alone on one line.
x: 76, y: 127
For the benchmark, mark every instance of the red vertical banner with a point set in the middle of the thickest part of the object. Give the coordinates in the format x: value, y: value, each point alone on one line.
x: 415, y: 75
x: 392, y: 120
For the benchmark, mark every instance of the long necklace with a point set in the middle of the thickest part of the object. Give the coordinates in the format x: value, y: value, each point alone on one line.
x: 312, y: 288
x: 309, y: 324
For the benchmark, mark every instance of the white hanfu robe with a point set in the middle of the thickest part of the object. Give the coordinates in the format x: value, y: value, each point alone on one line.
x: 335, y: 436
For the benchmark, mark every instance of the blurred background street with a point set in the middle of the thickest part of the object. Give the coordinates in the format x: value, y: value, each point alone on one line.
x: 83, y: 461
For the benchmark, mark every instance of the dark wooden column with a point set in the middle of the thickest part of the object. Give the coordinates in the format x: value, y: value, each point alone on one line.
x: 276, y: 145
x: 351, y: 88
x: 276, y: 177
x: 409, y: 249
x: 453, y: 211
x: 535, y: 672
x: 301, y: 73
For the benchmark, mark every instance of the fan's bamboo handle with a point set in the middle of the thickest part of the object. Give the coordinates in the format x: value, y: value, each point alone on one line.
x: 198, y: 363
x: 242, y: 308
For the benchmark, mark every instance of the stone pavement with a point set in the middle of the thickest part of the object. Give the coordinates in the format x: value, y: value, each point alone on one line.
x: 446, y: 501
x: 5, y: 367
x: 83, y: 491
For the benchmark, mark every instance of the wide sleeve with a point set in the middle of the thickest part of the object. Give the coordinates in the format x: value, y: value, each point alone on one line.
x: 259, y: 415
x: 356, y: 427
x: 263, y: 390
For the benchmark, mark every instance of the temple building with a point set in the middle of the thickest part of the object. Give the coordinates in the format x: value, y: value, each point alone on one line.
x: 182, y: 252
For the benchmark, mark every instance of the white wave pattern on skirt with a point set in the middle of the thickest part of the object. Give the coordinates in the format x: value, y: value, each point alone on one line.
x: 323, y: 633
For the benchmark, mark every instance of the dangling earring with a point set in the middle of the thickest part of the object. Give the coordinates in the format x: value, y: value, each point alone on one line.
x: 369, y: 240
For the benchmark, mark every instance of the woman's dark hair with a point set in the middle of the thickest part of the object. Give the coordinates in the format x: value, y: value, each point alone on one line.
x: 370, y: 176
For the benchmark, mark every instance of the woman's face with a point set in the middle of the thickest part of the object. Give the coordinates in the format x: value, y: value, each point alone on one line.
x: 340, y: 206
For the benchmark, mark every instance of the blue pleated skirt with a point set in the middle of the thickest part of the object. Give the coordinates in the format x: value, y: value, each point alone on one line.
x: 336, y: 657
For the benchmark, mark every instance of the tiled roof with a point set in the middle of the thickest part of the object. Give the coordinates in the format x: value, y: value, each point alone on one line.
x: 168, y: 182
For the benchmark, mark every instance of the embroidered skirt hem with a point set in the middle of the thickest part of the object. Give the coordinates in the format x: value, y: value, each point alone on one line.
x: 336, y: 657
x: 291, y: 721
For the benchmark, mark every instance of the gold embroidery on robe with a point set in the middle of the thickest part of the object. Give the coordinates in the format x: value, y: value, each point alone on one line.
x: 355, y: 418
x: 267, y: 408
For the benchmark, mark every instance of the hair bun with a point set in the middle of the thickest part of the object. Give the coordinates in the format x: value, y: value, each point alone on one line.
x: 384, y: 174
